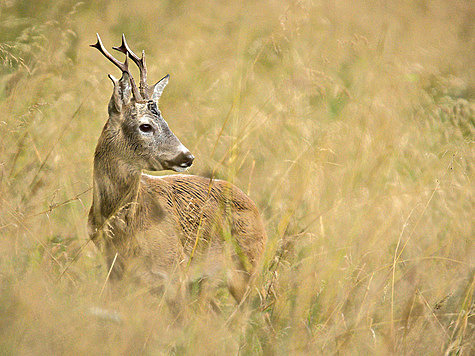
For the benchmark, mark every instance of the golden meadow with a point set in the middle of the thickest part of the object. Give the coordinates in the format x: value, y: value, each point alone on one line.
x: 349, y: 123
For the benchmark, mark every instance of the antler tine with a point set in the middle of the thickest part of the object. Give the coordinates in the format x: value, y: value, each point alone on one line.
x: 124, y: 67
x: 140, y: 62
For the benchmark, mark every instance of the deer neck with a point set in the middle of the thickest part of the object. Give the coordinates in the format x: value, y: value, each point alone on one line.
x: 116, y: 183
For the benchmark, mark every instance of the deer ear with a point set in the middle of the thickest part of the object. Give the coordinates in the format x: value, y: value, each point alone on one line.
x: 158, y: 88
x: 121, y: 95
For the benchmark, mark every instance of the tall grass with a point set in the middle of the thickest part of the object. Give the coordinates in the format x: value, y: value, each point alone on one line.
x: 350, y: 123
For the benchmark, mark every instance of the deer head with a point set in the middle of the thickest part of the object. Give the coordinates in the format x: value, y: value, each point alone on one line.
x: 136, y: 133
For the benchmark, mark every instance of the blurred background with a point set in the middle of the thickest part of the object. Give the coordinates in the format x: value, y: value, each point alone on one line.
x: 349, y: 123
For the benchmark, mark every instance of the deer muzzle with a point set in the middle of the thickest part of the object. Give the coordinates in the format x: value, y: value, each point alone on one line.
x: 181, y: 161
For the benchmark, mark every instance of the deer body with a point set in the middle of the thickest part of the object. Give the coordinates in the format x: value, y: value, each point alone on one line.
x: 152, y: 227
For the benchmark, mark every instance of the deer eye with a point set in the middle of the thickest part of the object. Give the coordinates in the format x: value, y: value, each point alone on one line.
x: 146, y: 128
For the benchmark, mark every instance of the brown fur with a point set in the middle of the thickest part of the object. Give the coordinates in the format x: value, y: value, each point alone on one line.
x: 155, y: 228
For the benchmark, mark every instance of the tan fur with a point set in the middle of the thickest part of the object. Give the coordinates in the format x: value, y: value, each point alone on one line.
x: 157, y: 225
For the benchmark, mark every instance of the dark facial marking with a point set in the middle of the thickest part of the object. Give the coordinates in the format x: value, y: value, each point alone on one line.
x: 152, y: 107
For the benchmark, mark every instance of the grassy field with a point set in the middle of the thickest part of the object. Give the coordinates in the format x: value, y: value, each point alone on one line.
x: 349, y: 123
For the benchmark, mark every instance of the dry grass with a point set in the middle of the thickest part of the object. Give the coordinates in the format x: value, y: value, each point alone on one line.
x: 350, y: 123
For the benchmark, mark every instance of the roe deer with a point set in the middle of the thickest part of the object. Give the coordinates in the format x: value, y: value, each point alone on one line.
x: 153, y: 226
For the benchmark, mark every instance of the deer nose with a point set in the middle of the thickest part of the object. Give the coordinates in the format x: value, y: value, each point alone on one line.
x: 187, y: 159
x: 183, y: 160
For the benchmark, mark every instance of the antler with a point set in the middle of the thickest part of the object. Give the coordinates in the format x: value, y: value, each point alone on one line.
x: 124, y: 67
x: 140, y: 62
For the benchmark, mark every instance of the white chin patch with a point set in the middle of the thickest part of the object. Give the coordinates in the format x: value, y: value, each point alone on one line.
x: 179, y: 169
